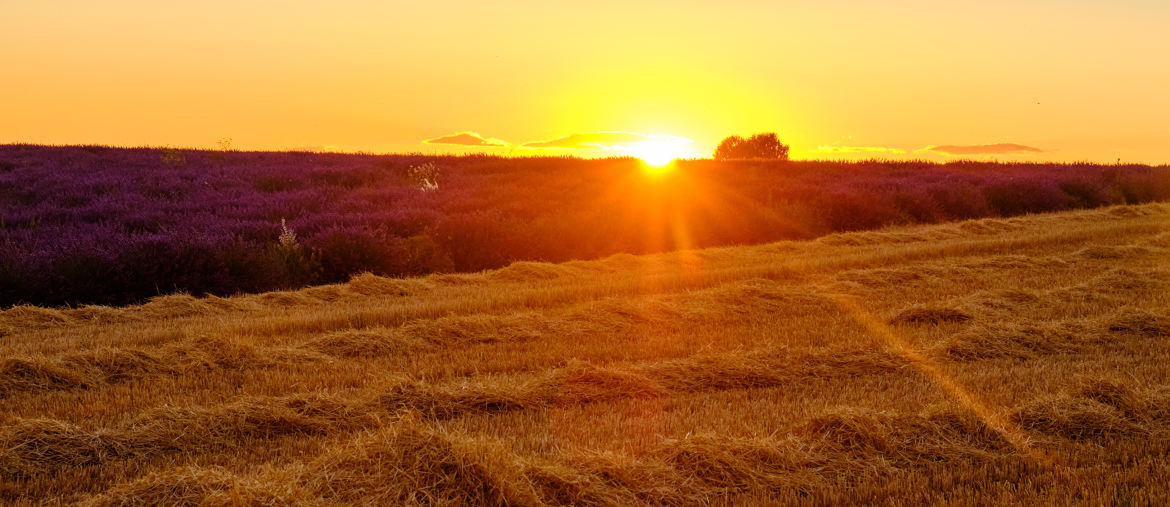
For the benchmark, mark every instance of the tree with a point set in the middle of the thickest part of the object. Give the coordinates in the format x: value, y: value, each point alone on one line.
x: 765, y: 145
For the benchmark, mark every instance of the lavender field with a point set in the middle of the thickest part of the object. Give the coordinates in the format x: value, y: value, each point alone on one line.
x: 99, y: 225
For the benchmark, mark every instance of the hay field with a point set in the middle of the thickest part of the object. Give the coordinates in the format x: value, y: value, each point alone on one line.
x: 999, y: 360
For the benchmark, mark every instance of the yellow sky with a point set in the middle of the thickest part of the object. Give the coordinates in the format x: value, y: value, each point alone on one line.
x: 1078, y: 80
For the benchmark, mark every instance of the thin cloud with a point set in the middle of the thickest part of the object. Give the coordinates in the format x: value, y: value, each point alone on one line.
x: 328, y: 148
x: 983, y: 149
x: 466, y: 139
x: 602, y: 141
x: 858, y: 149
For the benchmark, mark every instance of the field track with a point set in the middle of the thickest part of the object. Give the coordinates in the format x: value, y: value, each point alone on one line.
x: 1020, y: 360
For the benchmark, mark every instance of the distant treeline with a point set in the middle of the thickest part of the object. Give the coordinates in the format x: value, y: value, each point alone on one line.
x: 82, y: 225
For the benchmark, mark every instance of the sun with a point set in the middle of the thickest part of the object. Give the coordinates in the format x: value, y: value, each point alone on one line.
x: 656, y: 153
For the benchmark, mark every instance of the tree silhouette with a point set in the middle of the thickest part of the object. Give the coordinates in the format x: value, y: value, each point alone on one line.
x: 765, y: 145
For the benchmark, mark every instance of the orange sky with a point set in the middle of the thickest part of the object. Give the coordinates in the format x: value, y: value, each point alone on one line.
x: 1075, y: 79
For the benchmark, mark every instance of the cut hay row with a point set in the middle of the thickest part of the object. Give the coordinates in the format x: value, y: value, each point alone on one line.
x: 29, y: 447
x: 938, y: 271
x: 610, y: 316
x: 34, y: 447
x: 889, y: 278
x: 185, y: 305
x: 415, y: 463
x: 412, y: 461
x: 1031, y: 339
x: 106, y: 366
x: 984, y: 226
x: 1017, y: 340
x: 585, y: 383
x: 110, y: 365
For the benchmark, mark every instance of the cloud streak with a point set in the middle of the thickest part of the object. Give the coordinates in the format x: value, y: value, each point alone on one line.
x: 466, y: 139
x: 983, y: 149
x: 858, y: 149
x: 602, y: 141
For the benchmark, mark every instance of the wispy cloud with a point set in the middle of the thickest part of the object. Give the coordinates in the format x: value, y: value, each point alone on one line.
x: 858, y: 149
x: 466, y: 139
x: 328, y: 148
x: 602, y: 141
x: 983, y: 149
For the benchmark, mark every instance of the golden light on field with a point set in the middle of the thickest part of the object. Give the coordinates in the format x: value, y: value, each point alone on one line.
x: 764, y: 374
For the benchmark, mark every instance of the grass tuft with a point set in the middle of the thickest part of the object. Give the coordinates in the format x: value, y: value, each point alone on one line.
x: 413, y: 464
x: 1140, y: 323
x: 372, y: 342
x: 1074, y: 418
x: 923, y: 314
x: 19, y: 375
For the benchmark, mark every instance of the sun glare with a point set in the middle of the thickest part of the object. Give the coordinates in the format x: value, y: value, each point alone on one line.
x: 656, y: 153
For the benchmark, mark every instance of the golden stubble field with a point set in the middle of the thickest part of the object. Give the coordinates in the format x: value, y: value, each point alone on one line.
x: 1000, y: 360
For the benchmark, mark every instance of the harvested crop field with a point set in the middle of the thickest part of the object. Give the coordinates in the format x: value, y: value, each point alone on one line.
x: 1021, y: 360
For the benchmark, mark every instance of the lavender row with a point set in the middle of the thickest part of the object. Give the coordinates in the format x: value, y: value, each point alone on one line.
x: 113, y: 226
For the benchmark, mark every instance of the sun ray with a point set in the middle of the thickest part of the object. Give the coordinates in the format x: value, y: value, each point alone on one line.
x: 994, y: 419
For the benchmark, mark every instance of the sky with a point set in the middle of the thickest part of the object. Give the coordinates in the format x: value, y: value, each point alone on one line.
x: 1052, y: 80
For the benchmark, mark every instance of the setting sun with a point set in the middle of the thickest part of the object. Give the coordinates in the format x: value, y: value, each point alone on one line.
x: 657, y: 153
